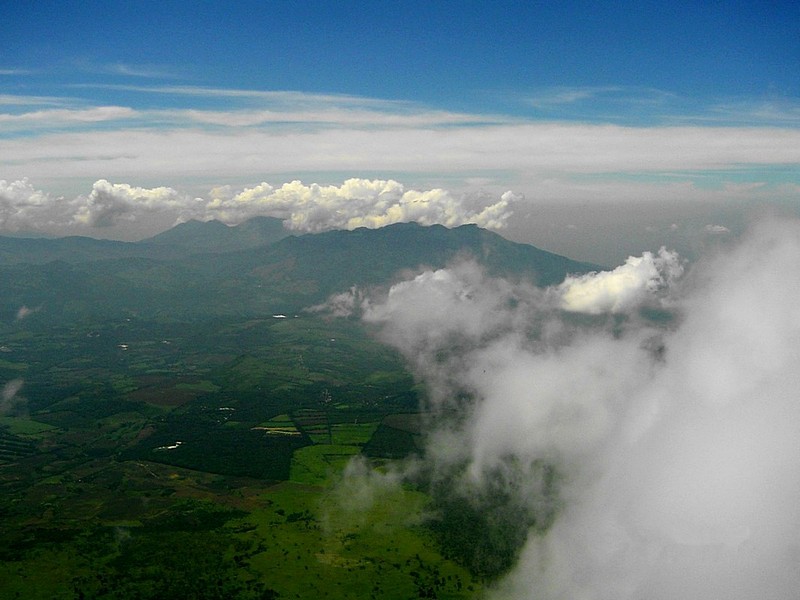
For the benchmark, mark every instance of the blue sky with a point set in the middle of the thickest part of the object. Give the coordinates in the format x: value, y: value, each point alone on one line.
x: 474, y: 56
x: 563, y: 104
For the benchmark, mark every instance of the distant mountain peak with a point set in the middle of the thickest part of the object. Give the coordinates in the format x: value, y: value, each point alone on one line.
x: 216, y: 236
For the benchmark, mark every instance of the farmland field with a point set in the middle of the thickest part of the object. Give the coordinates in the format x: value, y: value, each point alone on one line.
x: 210, y: 459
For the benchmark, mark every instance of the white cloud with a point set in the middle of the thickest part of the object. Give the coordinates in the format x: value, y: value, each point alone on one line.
x: 530, y: 152
x: 779, y: 111
x: 147, y: 71
x: 620, y: 96
x: 24, y: 312
x: 442, y: 305
x: 58, y: 116
x: 626, y: 104
x: 306, y: 112
x: 358, y: 203
x: 109, y: 203
x: 17, y: 100
x: 10, y: 400
x: 307, y: 208
x: 24, y: 207
x: 334, y: 116
x: 285, y: 136
x: 676, y: 444
x: 624, y: 287
x: 344, y: 304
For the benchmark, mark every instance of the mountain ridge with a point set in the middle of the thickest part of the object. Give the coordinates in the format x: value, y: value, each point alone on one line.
x: 219, y: 237
x: 182, y: 277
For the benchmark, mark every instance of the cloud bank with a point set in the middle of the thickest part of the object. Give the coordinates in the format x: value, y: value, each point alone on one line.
x: 303, y: 208
x: 626, y: 286
x: 206, y: 136
x: 359, y: 203
x: 675, y: 441
x: 108, y: 203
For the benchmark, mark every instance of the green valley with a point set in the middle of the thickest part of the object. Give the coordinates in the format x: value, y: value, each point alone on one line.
x: 175, y: 424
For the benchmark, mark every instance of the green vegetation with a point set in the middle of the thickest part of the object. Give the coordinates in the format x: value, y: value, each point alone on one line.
x: 484, y: 529
x: 23, y: 426
x: 205, y: 459
x: 175, y: 425
x: 319, y: 464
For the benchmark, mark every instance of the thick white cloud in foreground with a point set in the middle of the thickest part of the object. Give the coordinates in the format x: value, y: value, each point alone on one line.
x: 625, y: 286
x: 304, y: 208
x: 677, y: 444
x: 437, y: 307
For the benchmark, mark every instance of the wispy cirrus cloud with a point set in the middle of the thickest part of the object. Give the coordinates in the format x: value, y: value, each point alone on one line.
x: 142, y: 71
x: 561, y: 95
x: 21, y: 100
x: 638, y: 105
x: 328, y: 116
x: 69, y: 115
x: 778, y: 111
x: 287, y: 97
x: 302, y: 107
x: 285, y: 100
x: 611, y: 103
x: 15, y: 72
x: 240, y: 109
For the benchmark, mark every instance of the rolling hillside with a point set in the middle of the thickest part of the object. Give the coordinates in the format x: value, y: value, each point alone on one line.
x: 208, y: 269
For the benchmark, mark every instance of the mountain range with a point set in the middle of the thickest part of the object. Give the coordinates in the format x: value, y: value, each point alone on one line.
x: 201, y: 269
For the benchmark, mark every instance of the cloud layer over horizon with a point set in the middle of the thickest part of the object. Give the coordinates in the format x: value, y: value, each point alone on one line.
x: 620, y: 167
x: 675, y: 441
x: 303, y: 208
x: 240, y: 136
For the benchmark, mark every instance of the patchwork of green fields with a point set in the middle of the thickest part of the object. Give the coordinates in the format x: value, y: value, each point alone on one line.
x: 141, y: 459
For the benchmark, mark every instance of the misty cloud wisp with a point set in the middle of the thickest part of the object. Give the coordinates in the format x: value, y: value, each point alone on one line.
x: 675, y: 439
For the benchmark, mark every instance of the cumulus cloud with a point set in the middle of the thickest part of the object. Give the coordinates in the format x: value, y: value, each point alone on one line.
x: 437, y: 308
x: 306, y: 208
x: 676, y: 443
x: 716, y: 229
x: 22, y: 206
x: 109, y: 203
x: 359, y: 203
x: 622, y: 288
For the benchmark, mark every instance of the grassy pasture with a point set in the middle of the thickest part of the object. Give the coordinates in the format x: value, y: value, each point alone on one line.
x: 315, y: 544
x: 317, y: 464
x: 98, y: 500
x: 24, y: 426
